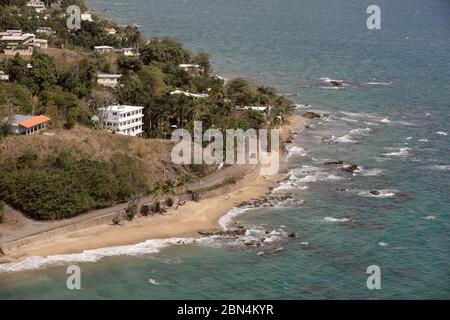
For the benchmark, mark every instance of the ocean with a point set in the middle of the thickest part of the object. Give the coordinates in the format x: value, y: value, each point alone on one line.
x: 391, y: 118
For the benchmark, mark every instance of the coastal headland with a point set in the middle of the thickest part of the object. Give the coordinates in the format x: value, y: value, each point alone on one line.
x: 185, y: 221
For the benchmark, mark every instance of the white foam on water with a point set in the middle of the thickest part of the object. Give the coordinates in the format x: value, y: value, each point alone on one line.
x: 402, y: 152
x: 296, y: 151
x: 227, y: 220
x: 440, y: 167
x: 320, y: 176
x: 345, y: 139
x: 387, y: 193
x: 423, y: 140
x: 382, y: 244
x: 385, y: 120
x: 441, y: 133
x: 152, y: 281
x: 147, y: 247
x: 290, y: 185
x: 361, y: 131
x: 300, y: 106
x: 328, y: 80
x: 430, y: 218
x: 374, y: 83
x: 331, y: 219
x: 285, y: 185
x: 360, y: 115
x: 348, y: 119
x: 369, y: 172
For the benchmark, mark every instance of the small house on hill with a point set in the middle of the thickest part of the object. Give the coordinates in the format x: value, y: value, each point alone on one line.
x: 28, y: 124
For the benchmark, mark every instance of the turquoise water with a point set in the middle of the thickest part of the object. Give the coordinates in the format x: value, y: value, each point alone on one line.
x: 391, y: 119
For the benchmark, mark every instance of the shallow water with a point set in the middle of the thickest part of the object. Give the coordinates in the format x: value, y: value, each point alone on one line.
x: 391, y: 119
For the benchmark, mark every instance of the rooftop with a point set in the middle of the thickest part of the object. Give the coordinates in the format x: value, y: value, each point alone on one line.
x: 28, y: 121
x: 14, y: 36
x: 103, y: 47
x: 109, y: 75
x: 192, y: 95
x: 122, y: 108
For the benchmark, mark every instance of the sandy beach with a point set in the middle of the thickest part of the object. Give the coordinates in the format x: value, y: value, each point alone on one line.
x: 186, y: 221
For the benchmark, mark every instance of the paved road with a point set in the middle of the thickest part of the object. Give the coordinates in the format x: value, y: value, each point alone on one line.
x: 33, y: 228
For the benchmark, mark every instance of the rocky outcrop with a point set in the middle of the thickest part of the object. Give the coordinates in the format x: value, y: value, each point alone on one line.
x: 351, y: 168
x: 375, y: 192
x: 333, y: 162
x: 311, y: 115
x: 239, y: 231
x: 254, y: 243
x: 336, y: 83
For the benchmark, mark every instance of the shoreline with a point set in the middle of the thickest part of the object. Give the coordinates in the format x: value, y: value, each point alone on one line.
x: 185, y: 222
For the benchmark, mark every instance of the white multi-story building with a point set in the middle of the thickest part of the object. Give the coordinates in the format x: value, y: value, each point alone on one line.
x: 86, y: 17
x: 126, y: 120
x: 103, y: 49
x: 4, y: 76
x: 15, y: 41
x: 37, y: 5
x: 108, y: 80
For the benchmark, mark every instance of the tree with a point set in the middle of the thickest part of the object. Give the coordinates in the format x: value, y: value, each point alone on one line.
x: 17, y: 70
x: 127, y: 63
x: 181, y: 182
x: 71, y: 118
x: 153, y: 80
x: 156, y: 192
x: 99, y: 101
x: 169, y: 190
x: 242, y: 92
x: 43, y: 72
x: 202, y: 59
x: 167, y: 50
x: 17, y: 96
x: 133, y: 207
x: 63, y: 107
x: 7, y: 114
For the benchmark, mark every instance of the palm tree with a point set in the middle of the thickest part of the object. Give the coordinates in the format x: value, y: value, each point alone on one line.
x: 169, y: 190
x: 181, y: 182
x: 157, y: 191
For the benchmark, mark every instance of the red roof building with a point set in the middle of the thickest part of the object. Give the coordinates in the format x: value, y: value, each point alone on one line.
x: 26, y: 124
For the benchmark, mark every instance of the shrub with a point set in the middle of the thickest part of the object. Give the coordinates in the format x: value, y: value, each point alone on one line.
x: 63, y: 186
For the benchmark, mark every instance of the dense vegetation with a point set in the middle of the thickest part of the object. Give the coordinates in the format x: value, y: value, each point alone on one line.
x: 66, y: 89
x: 63, y: 186
x: 61, y: 83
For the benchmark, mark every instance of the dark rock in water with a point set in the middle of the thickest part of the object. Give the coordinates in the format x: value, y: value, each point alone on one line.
x: 335, y: 83
x: 343, y: 189
x: 375, y: 192
x: 253, y: 243
x: 307, y: 127
x: 214, y: 232
x: 311, y: 115
x: 239, y: 231
x: 292, y: 235
x: 329, y: 163
x: 352, y: 168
